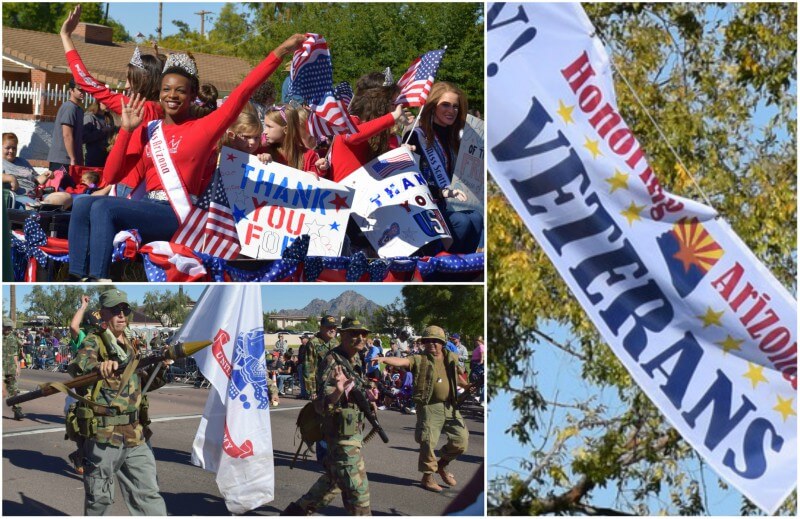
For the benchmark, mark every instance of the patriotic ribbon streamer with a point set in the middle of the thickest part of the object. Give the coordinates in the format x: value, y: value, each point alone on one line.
x: 313, y: 268
x: 357, y: 268
x: 126, y: 245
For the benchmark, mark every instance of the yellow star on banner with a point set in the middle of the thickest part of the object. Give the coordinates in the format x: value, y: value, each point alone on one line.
x: 730, y: 344
x: 711, y: 317
x: 784, y: 407
x: 632, y: 213
x: 618, y: 181
x: 755, y: 373
x: 593, y: 147
x: 565, y: 112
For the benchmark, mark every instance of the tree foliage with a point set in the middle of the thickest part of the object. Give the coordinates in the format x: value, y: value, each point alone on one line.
x: 720, y: 81
x: 61, y: 302
x: 457, y: 308
x: 48, y: 17
x: 171, y: 308
x: 363, y: 37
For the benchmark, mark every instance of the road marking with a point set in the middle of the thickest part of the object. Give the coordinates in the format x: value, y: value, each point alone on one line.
x: 60, y: 428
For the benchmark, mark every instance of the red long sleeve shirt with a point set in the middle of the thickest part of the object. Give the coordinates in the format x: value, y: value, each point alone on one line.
x: 191, y: 144
x: 350, y: 152
x: 152, y: 109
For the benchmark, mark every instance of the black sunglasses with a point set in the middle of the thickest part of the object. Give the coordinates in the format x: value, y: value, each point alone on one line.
x: 115, y: 310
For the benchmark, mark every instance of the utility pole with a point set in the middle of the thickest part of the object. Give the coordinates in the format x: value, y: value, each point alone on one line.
x: 160, y: 14
x: 12, y: 311
x: 202, y: 15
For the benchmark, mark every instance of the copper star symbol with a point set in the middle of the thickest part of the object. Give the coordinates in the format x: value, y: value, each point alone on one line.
x: 231, y: 157
x: 339, y: 202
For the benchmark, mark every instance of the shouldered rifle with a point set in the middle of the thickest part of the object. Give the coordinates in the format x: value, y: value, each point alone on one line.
x: 357, y: 397
x: 172, y: 352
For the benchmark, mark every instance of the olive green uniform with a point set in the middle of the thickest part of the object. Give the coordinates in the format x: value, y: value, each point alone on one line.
x: 115, y: 437
x: 437, y: 415
x: 316, y: 349
x: 345, y: 471
x: 10, y: 366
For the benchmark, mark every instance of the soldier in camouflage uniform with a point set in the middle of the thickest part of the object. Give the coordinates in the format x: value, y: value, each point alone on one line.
x: 11, y: 364
x: 114, y: 435
x: 436, y: 377
x: 316, y: 349
x: 343, y: 423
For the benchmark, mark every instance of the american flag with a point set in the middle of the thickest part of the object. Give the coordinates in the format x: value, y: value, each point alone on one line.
x: 384, y: 168
x: 344, y: 92
x: 416, y: 83
x: 330, y: 118
x: 210, y: 227
x: 311, y: 71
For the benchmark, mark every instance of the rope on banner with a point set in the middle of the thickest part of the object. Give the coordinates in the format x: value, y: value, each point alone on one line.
x: 653, y: 121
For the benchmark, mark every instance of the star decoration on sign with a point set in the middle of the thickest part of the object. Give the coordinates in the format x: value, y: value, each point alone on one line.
x: 335, y: 226
x: 231, y: 157
x: 339, y: 202
x: 618, y: 181
x: 238, y: 213
x: 632, y: 213
x: 730, y: 344
x: 565, y: 112
x: 313, y: 228
x: 593, y: 147
x: 755, y: 373
x: 784, y: 407
x: 711, y: 317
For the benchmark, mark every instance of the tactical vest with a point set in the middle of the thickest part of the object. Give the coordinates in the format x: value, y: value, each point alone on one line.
x: 423, y: 377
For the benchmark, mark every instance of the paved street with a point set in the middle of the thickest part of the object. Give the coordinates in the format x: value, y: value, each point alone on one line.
x: 38, y: 479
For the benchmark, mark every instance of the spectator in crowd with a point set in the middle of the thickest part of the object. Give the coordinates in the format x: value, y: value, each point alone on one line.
x: 285, y: 372
x: 18, y: 173
x: 371, y: 360
x: 461, y: 350
x: 301, y: 359
x: 67, y: 147
x: 98, y: 126
x: 280, y: 344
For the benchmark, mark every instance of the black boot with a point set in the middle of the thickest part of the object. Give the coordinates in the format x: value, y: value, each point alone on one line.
x: 18, y: 414
x: 294, y: 509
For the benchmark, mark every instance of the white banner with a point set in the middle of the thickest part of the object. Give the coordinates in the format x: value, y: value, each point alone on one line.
x: 393, y: 205
x: 703, y: 327
x: 273, y: 204
x: 234, y: 438
x: 468, y: 173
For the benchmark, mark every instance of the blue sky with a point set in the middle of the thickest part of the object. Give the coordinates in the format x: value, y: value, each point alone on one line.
x: 143, y: 17
x: 274, y: 297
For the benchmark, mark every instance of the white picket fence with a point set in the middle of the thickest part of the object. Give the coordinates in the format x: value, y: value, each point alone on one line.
x: 26, y: 93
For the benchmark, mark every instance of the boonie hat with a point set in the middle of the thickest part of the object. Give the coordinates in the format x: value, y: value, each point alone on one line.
x: 7, y: 323
x: 351, y: 323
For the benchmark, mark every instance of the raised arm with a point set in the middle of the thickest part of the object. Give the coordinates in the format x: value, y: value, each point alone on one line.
x: 218, y: 121
x: 397, y: 362
x: 372, y: 128
x: 75, y: 324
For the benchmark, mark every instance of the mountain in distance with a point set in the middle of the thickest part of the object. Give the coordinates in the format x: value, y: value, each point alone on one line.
x: 348, y: 302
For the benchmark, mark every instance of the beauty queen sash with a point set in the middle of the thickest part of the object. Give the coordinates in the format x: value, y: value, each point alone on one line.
x: 438, y: 169
x: 167, y: 172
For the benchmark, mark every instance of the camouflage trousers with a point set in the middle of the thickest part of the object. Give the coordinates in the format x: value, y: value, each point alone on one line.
x: 11, y: 388
x: 134, y: 468
x: 432, y: 421
x: 310, y: 376
x: 345, y: 473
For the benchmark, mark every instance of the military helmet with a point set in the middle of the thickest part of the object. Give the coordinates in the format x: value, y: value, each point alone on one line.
x: 434, y: 332
x: 8, y: 323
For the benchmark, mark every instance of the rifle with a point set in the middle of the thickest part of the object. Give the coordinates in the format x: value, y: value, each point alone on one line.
x: 173, y: 352
x: 357, y: 397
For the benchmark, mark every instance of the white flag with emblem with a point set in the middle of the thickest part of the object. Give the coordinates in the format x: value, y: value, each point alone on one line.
x: 234, y: 438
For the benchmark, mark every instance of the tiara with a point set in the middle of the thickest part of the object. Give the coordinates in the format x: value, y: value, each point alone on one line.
x: 136, y: 59
x: 388, y: 80
x: 181, y: 60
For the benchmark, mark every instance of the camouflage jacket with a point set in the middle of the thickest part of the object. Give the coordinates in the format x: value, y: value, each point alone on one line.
x: 316, y: 349
x: 109, y: 393
x: 327, y: 381
x: 10, y: 350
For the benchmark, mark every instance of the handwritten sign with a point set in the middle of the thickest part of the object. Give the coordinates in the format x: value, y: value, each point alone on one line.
x: 393, y: 205
x: 273, y: 204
